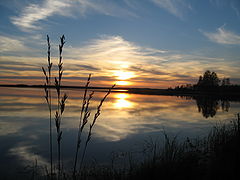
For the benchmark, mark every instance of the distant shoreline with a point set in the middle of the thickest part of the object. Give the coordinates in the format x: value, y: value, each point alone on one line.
x: 144, y: 91
x: 67, y: 87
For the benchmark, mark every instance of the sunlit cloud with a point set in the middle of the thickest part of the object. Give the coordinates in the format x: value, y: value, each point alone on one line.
x: 175, y: 7
x: 114, y: 50
x: 113, y: 59
x: 223, y: 36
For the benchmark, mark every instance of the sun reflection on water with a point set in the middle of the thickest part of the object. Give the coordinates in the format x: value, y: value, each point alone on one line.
x: 122, y: 101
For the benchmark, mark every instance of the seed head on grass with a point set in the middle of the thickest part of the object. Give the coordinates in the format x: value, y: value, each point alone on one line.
x: 82, y: 121
x: 84, y: 101
x: 97, y: 114
x: 86, y: 112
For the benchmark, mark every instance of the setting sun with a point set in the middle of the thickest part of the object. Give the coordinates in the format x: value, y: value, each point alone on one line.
x: 123, y: 75
x: 123, y: 83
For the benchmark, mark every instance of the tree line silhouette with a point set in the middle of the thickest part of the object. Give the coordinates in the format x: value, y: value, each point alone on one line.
x: 210, y: 82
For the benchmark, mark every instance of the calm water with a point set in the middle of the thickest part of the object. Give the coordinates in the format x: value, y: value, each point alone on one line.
x: 125, y: 123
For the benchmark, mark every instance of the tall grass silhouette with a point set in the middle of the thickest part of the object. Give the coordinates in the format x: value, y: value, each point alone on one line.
x: 61, y: 101
x: 97, y: 114
x: 82, y: 122
x: 48, y: 97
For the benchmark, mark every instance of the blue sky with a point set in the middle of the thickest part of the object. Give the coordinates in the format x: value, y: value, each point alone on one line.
x: 142, y: 43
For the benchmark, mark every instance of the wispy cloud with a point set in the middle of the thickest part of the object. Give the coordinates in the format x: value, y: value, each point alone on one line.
x: 175, y: 7
x: 21, y: 45
x: 113, y: 50
x: 32, y: 14
x: 106, y: 7
x: 8, y: 44
x: 223, y: 4
x: 223, y: 36
x: 236, y: 8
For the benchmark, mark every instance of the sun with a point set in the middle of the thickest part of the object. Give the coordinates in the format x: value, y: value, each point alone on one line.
x: 123, y: 75
x: 123, y: 83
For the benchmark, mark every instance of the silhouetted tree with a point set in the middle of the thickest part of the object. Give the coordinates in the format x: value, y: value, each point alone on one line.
x: 200, y: 80
x: 209, y: 79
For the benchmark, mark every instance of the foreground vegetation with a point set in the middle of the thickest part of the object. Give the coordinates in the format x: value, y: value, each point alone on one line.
x: 216, y: 156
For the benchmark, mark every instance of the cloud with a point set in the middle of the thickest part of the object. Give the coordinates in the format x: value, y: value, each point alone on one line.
x: 105, y: 7
x: 105, y: 55
x: 236, y: 8
x: 34, y: 12
x: 84, y: 67
x: 23, y: 46
x: 31, y: 15
x: 222, y: 36
x: 147, y: 70
x: 8, y: 44
x: 114, y: 50
x: 175, y: 7
x: 111, y: 53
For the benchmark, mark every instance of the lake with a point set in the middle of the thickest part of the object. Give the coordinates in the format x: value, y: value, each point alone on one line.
x: 126, y: 123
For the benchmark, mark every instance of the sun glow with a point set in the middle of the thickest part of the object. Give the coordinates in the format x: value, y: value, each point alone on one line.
x: 123, y: 75
x: 123, y: 83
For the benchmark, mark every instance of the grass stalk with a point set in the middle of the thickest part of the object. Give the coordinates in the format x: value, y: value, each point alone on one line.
x: 81, y: 126
x: 60, y: 103
x: 97, y: 114
x: 48, y: 98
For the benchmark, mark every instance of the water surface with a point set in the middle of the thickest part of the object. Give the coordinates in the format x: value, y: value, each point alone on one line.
x: 125, y: 123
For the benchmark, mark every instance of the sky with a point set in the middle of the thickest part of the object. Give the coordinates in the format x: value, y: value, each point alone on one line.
x: 136, y: 43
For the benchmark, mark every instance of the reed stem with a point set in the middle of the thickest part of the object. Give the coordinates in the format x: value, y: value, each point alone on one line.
x: 48, y: 98
x: 97, y: 114
x: 80, y: 128
x: 60, y: 103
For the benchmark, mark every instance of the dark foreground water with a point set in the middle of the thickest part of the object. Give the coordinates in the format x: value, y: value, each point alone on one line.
x: 126, y: 123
